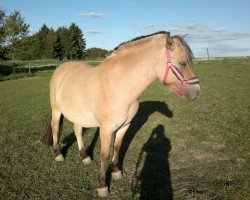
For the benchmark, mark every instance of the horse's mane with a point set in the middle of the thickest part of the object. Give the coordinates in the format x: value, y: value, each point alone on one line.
x: 147, y: 38
x: 139, y: 40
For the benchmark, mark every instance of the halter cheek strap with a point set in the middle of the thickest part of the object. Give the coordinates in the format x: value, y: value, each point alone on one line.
x: 178, y: 74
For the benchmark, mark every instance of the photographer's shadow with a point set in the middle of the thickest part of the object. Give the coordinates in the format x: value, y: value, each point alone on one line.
x: 153, y: 181
x: 145, y: 110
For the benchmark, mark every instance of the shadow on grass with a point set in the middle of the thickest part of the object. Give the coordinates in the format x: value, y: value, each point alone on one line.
x: 145, y: 110
x: 69, y: 140
x: 156, y: 149
x: 153, y: 180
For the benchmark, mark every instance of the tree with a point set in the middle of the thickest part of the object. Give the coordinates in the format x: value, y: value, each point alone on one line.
x: 71, y: 42
x: 50, y: 44
x: 26, y: 48
x: 64, y: 42
x: 15, y: 29
x: 96, y: 53
x: 2, y: 34
x: 46, y: 43
x: 77, y: 43
x: 2, y: 22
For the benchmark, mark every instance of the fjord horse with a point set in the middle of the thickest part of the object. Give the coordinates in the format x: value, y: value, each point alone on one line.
x: 107, y: 96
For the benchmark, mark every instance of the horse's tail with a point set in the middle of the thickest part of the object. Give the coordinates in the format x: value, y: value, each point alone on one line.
x: 48, y: 136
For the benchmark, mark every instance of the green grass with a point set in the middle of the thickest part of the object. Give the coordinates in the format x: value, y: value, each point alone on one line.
x: 196, y: 150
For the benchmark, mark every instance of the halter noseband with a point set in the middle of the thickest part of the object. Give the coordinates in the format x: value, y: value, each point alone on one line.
x: 178, y: 75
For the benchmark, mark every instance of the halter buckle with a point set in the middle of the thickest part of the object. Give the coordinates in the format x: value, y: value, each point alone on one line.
x: 169, y: 64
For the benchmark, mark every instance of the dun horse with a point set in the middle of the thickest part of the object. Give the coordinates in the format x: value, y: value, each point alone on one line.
x: 106, y: 96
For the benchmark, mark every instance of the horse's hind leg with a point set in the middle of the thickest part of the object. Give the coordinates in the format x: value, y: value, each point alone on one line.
x: 116, y: 170
x: 78, y: 132
x: 56, y: 123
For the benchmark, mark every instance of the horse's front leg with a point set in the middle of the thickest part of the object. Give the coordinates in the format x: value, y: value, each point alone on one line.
x: 105, y: 136
x: 116, y: 170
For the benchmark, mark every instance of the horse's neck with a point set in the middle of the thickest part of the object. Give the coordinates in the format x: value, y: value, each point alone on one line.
x: 137, y: 71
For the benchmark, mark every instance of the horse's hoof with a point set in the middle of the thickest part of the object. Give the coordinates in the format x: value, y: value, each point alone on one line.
x: 59, y: 158
x: 87, y: 160
x: 103, y: 192
x: 116, y: 175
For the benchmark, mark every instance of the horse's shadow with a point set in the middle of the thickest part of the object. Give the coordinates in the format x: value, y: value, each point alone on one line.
x: 69, y: 140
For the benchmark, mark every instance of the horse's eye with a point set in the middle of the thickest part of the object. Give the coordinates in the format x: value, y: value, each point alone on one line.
x: 183, y: 64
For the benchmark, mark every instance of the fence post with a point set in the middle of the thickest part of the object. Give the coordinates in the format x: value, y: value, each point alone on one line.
x: 29, y: 69
x: 207, y: 54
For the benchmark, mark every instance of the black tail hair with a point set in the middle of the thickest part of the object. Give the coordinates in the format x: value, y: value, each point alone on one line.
x: 48, y: 136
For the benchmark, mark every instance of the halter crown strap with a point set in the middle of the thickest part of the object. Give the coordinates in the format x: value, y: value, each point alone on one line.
x: 178, y: 75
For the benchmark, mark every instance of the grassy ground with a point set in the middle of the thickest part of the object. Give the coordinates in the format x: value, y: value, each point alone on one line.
x: 173, y: 149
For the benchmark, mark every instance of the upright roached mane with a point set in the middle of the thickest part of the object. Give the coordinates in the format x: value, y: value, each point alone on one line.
x: 107, y: 96
x: 138, y: 41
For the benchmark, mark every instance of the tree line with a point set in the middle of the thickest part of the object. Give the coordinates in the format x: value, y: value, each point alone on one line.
x: 47, y: 43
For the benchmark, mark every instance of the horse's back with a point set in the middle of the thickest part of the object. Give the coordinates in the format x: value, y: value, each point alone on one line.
x: 69, y: 67
x: 66, y: 69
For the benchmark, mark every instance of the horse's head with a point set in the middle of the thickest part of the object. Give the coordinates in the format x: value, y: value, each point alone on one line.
x: 178, y: 69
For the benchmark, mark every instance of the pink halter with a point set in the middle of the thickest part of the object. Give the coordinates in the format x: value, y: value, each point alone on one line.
x: 178, y: 75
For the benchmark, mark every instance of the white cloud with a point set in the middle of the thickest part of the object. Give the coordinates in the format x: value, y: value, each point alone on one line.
x: 92, y: 14
x: 202, y: 33
x: 188, y: 26
x: 94, y: 31
x: 219, y: 40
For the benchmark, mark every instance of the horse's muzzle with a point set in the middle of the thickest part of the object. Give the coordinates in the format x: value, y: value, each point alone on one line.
x: 191, y: 92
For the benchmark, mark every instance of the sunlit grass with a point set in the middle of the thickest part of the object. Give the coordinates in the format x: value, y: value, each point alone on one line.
x: 196, y: 150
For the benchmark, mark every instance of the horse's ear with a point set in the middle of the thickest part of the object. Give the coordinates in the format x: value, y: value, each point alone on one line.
x: 169, y: 43
x: 184, y: 36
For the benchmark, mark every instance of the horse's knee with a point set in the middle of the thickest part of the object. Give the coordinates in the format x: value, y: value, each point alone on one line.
x: 104, y: 157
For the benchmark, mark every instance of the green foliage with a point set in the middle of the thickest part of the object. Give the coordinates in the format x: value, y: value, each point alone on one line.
x: 46, y: 41
x: 2, y: 22
x: 64, y: 43
x: 3, y: 49
x: 96, y: 53
x: 15, y: 29
x: 77, y: 43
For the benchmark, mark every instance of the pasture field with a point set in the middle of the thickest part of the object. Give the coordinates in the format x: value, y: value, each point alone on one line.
x: 173, y: 150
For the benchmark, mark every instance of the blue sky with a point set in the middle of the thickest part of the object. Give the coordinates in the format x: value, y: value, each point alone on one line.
x: 222, y: 26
